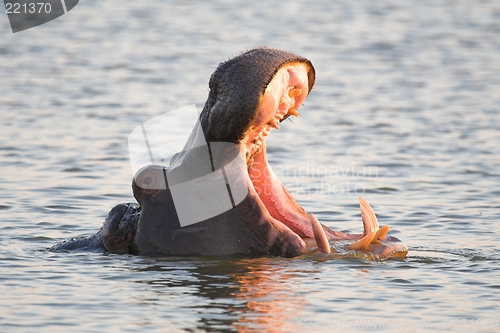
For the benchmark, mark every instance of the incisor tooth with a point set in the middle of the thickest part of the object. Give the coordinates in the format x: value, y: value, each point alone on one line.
x: 293, y: 112
x: 294, y: 92
x: 274, y: 123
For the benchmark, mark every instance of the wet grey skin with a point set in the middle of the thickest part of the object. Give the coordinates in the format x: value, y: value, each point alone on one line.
x: 236, y: 89
x: 116, y: 234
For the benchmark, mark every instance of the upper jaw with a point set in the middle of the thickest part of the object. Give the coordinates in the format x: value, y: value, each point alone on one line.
x: 238, y: 88
x: 281, y: 99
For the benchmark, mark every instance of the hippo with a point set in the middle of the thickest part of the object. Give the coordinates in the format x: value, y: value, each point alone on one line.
x: 249, y: 95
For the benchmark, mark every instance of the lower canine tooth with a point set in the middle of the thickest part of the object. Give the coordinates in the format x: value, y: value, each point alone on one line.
x: 293, y: 112
x: 274, y: 123
x: 294, y: 92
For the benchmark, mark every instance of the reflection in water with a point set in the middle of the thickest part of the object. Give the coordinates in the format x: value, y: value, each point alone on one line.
x: 239, y: 294
x: 270, y: 302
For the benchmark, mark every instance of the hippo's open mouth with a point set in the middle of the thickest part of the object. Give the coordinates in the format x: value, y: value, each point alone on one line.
x: 282, y: 98
x: 249, y: 96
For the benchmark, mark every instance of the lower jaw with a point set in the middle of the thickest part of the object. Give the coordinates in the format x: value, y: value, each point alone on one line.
x: 277, y: 200
x: 279, y: 203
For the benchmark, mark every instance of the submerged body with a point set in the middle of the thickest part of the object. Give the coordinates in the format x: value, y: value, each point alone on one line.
x: 249, y: 96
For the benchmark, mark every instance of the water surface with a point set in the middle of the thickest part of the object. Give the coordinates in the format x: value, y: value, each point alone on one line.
x: 405, y: 111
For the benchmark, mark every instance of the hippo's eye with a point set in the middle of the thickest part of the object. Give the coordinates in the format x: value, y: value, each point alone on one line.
x: 150, y: 177
x: 148, y: 181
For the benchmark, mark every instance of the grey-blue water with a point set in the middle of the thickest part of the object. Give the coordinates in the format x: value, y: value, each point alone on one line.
x: 405, y: 111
